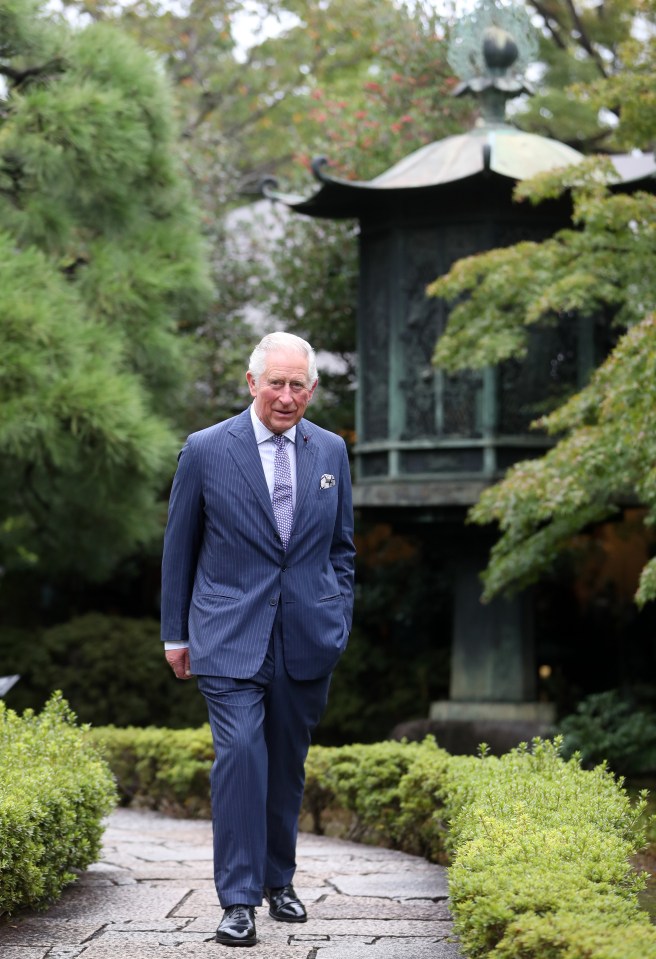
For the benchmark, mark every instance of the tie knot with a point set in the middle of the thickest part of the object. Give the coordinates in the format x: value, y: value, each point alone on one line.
x: 279, y: 440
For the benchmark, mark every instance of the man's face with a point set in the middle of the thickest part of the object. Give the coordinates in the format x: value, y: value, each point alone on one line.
x: 282, y: 392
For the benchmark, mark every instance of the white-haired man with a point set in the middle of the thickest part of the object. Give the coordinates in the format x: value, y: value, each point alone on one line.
x: 257, y: 602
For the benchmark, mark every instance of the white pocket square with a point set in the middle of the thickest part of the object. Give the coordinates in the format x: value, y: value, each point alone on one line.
x: 327, y: 480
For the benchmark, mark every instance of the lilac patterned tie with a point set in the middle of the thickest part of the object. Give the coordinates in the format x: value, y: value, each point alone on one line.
x: 282, y: 500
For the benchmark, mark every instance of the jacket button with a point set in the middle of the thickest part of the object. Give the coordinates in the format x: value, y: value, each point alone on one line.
x: 284, y: 568
x: 273, y: 602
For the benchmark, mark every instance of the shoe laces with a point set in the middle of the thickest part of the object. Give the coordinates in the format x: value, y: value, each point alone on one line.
x: 240, y: 914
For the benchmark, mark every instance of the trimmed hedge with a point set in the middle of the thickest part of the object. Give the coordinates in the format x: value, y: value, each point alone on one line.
x: 539, y: 847
x: 541, y: 859
x: 54, y: 791
x: 164, y: 769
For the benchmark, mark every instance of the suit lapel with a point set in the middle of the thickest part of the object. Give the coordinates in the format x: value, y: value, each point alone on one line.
x: 246, y: 455
x: 305, y: 450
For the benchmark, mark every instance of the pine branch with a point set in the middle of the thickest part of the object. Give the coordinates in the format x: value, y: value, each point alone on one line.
x: 19, y: 77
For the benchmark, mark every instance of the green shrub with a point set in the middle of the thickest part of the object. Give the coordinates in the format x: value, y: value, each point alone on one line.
x: 364, y: 779
x: 319, y: 795
x: 570, y: 935
x: 536, y: 837
x: 422, y: 826
x: 539, y: 846
x: 54, y: 792
x: 165, y: 769
x: 111, y: 669
x: 607, y: 726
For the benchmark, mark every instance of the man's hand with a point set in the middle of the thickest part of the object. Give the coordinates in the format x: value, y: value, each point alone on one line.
x: 178, y: 660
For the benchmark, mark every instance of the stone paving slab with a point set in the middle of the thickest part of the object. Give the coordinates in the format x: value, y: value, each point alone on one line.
x: 202, y: 903
x: 84, y: 900
x: 172, y: 871
x: 359, y: 866
x: 17, y: 952
x: 208, y: 950
x: 401, y: 885
x: 44, y: 931
x: 403, y: 949
x: 152, y: 896
x: 157, y: 852
x: 327, y: 928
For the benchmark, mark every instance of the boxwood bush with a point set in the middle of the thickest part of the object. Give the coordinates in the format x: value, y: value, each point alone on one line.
x: 538, y: 846
x: 164, y: 769
x: 54, y: 791
x: 540, y: 852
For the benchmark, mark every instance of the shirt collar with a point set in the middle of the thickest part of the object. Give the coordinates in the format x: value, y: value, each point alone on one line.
x: 263, y: 433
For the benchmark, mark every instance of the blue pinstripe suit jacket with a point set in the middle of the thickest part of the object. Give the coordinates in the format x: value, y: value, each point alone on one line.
x: 225, y: 571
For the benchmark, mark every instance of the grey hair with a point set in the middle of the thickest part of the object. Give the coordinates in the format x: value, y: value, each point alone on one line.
x: 282, y: 341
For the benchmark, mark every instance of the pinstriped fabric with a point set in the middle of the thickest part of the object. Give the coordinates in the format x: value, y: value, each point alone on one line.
x: 225, y: 570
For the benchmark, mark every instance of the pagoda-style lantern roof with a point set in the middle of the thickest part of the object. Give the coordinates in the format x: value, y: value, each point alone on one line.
x: 498, y: 149
x: 491, y: 71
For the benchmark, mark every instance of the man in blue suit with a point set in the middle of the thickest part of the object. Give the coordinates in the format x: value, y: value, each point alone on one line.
x: 257, y: 601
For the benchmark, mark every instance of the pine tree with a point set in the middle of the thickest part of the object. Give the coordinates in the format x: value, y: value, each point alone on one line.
x: 101, y: 267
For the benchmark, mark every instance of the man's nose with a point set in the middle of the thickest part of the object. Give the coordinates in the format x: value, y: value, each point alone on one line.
x: 286, y: 394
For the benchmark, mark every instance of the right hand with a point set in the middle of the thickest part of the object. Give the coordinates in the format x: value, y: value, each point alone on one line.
x: 178, y: 660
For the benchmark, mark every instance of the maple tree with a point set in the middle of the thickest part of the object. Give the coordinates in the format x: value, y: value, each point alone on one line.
x: 603, y: 455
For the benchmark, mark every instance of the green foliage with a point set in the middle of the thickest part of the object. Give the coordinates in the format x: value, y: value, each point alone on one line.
x: 596, y: 269
x: 602, y: 457
x: 540, y: 847
x: 608, y: 726
x: 365, y: 780
x: 101, y: 263
x: 581, y: 43
x: 257, y: 109
x: 165, y: 769
x: 54, y: 792
x: 111, y: 670
x: 539, y: 843
x: 391, y: 789
x: 628, y: 88
x: 404, y: 100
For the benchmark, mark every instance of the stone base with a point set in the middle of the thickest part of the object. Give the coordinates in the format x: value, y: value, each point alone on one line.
x: 461, y: 727
x: 452, y: 710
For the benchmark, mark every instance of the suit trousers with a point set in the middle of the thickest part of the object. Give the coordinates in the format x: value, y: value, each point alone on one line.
x: 261, y: 729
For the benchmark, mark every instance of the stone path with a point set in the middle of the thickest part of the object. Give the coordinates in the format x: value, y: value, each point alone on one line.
x: 152, y: 897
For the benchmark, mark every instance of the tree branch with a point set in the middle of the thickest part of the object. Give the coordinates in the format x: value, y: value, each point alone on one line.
x: 554, y: 27
x: 585, y: 41
x: 22, y: 76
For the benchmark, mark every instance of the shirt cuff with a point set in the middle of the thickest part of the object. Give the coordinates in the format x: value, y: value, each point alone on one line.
x: 175, y: 645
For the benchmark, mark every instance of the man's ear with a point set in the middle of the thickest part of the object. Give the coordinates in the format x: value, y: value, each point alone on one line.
x: 313, y: 388
x: 251, y: 383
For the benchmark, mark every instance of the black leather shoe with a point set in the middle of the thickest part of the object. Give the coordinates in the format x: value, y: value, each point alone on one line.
x: 237, y: 928
x: 285, y: 905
